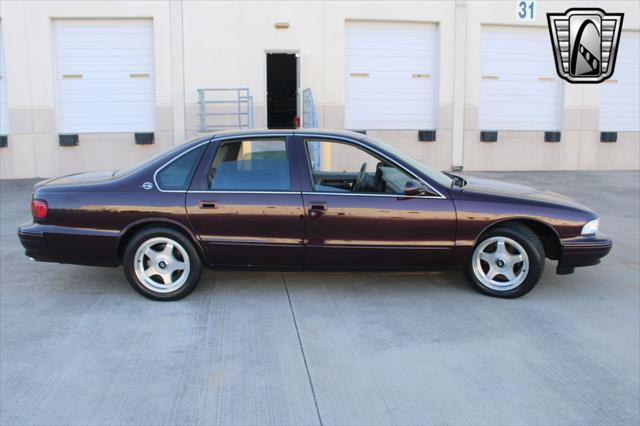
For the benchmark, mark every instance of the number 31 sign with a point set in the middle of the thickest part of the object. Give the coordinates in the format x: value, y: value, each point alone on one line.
x: 526, y: 10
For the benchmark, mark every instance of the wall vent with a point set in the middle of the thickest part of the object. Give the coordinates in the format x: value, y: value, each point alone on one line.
x: 552, y: 136
x: 608, y: 136
x: 145, y: 138
x: 488, y: 136
x: 426, y: 135
x: 68, y: 140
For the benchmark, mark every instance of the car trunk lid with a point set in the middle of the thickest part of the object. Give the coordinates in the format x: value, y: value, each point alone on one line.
x: 77, y: 179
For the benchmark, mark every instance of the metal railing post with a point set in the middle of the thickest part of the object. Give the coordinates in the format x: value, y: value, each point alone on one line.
x: 239, y: 111
x: 201, y: 107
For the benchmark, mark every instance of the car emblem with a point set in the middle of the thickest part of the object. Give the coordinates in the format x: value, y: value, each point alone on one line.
x: 585, y: 43
x: 147, y: 185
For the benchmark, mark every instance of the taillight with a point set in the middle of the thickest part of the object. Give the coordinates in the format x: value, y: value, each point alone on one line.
x: 39, y: 209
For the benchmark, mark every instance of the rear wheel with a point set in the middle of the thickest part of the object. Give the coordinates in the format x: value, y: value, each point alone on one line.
x: 161, y: 264
x: 506, y: 262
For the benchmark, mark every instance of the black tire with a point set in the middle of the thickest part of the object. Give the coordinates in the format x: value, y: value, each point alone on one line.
x: 534, y: 250
x: 146, y: 235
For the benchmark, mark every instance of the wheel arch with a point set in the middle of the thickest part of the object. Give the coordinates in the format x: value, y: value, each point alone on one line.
x: 549, y: 237
x: 130, y: 230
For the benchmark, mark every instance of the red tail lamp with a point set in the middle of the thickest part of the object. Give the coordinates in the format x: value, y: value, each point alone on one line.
x: 39, y: 209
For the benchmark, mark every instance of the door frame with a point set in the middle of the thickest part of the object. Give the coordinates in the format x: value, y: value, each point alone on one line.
x: 305, y: 179
x: 298, y: 82
x: 198, y: 182
x: 198, y: 188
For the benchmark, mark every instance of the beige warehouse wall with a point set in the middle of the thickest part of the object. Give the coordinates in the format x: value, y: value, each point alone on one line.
x: 33, y: 144
x: 317, y: 32
x: 580, y: 147
x: 224, y: 43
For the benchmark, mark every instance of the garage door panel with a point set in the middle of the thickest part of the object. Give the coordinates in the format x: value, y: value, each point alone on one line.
x: 96, y: 27
x: 78, y: 91
x: 391, y: 85
x: 141, y: 59
x: 89, y: 78
x: 620, y: 96
x: 115, y: 120
x: 378, y: 63
x: 517, y: 69
x: 417, y: 108
x: 394, y: 81
x: 494, y: 92
x: 514, y: 108
x: 389, y: 96
x: 105, y: 42
x: 392, y: 49
x: 90, y: 108
x: 105, y: 75
x: 107, y: 127
x: 400, y: 45
x: 103, y: 54
x: 106, y: 97
x: 515, y: 90
x: 372, y: 122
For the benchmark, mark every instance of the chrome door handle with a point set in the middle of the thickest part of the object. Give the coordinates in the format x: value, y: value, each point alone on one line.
x: 316, y: 210
x: 208, y: 205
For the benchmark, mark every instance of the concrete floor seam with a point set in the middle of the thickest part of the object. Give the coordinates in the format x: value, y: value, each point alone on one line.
x: 304, y: 357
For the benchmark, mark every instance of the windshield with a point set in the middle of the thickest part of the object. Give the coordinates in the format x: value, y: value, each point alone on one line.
x: 433, y: 174
x: 125, y: 171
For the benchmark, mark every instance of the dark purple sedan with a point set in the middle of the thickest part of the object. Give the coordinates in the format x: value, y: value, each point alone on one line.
x: 309, y: 200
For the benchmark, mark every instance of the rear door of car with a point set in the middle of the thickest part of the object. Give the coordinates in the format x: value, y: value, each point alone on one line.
x: 245, y: 203
x: 354, y: 229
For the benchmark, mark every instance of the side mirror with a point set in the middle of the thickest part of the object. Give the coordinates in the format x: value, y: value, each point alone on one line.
x: 413, y: 188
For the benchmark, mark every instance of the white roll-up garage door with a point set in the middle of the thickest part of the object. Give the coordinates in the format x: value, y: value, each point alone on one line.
x: 104, y: 75
x: 391, y: 75
x: 4, y: 105
x: 519, y: 87
x: 620, y: 95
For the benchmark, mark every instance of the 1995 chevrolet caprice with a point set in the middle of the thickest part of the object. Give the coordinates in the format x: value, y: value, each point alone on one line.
x: 304, y: 200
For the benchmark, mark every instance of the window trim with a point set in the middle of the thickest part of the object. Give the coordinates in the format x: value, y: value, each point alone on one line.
x: 329, y: 138
x: 284, y: 137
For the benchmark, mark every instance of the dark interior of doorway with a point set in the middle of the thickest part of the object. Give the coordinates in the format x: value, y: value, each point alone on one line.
x: 282, y: 90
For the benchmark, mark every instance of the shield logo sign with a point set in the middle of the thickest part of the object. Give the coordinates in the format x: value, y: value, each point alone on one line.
x: 585, y: 43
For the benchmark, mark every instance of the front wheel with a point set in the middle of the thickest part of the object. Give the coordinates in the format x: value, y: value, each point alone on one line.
x: 506, y: 262
x: 161, y: 264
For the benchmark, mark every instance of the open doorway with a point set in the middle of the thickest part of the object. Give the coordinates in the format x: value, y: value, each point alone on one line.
x: 282, y: 90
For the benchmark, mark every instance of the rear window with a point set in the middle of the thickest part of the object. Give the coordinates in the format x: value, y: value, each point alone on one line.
x: 250, y: 165
x: 177, y: 174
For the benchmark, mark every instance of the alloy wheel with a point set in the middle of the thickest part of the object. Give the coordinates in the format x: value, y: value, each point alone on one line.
x: 162, y: 264
x: 500, y: 263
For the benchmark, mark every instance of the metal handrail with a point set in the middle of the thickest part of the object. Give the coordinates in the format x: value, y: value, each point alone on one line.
x: 244, y: 108
x: 310, y: 119
x: 309, y: 116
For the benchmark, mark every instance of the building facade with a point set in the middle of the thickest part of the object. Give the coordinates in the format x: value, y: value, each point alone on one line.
x: 88, y: 85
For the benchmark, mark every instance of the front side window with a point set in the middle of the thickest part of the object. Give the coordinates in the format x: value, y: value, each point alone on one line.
x: 250, y: 165
x: 414, y: 163
x: 342, y: 167
x: 177, y: 174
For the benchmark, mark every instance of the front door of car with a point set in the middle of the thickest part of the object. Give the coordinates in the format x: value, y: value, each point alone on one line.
x: 245, y: 206
x: 359, y: 217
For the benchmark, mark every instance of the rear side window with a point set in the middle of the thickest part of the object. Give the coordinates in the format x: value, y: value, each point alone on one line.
x: 177, y: 174
x: 250, y: 165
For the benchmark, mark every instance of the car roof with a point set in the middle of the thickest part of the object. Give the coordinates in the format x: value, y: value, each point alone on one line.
x: 303, y: 131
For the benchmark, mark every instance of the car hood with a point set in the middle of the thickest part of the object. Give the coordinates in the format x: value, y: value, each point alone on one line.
x: 77, y: 179
x: 514, y: 190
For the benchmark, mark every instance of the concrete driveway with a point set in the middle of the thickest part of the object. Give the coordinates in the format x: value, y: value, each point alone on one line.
x: 78, y: 346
